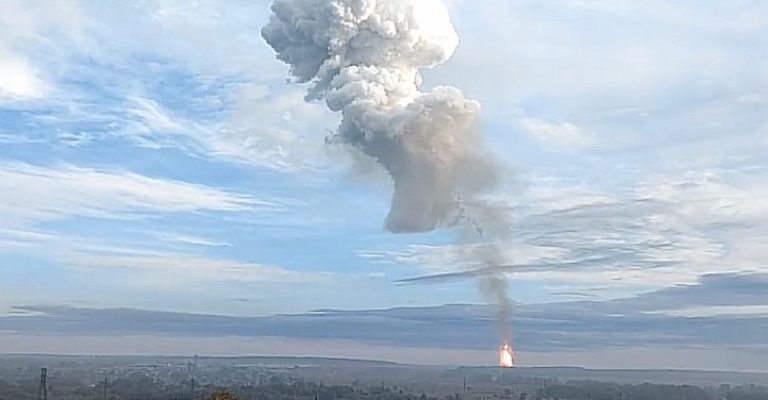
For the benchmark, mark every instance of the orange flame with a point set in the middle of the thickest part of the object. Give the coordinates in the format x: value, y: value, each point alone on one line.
x: 506, y: 356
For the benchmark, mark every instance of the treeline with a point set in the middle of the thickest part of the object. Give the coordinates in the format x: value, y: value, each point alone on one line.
x: 311, y: 391
x: 610, y: 391
x: 141, y: 387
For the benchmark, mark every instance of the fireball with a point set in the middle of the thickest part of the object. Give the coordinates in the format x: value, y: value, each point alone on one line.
x: 506, y: 356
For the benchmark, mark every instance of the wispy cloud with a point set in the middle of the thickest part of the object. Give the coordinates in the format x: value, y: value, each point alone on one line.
x: 562, y: 135
x: 34, y: 193
x: 566, y: 326
x: 228, y: 100
x: 152, y: 264
x: 274, y: 128
x: 667, y: 230
x: 193, y: 240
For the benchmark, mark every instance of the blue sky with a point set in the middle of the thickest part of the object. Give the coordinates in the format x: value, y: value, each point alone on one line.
x: 153, y: 157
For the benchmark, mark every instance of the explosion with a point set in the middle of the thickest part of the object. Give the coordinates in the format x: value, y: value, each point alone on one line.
x: 365, y: 58
x: 506, y: 356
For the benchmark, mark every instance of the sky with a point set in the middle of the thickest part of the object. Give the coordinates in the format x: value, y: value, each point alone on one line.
x: 164, y: 188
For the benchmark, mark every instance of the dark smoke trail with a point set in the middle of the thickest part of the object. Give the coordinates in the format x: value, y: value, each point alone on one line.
x: 491, y: 223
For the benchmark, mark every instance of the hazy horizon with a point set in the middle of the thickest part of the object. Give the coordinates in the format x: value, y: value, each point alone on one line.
x: 370, y: 361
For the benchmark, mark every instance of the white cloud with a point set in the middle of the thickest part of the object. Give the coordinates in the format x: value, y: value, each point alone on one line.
x: 705, y: 197
x: 272, y: 128
x: 551, y: 47
x: 219, y: 46
x: 699, y: 312
x: 18, y: 80
x: 564, y: 134
x: 193, y: 240
x: 156, y: 119
x: 462, y: 257
x: 666, y: 231
x: 32, y: 193
x: 23, y: 27
x: 172, y: 269
x: 681, y: 69
x: 147, y: 263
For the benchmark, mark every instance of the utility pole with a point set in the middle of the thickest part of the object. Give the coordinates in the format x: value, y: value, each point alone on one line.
x: 42, y: 391
x: 193, y: 380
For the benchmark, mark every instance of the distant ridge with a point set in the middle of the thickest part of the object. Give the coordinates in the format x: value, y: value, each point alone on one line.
x: 287, y: 360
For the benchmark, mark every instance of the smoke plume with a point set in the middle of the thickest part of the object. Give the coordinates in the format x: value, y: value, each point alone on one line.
x: 363, y: 58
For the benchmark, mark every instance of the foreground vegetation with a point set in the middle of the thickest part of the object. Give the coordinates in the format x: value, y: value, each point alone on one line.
x: 142, y: 388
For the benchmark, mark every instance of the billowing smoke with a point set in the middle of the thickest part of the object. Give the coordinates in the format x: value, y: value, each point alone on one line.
x: 363, y: 58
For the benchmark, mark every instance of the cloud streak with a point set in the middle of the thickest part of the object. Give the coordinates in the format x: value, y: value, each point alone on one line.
x: 565, y: 326
x: 667, y: 230
x: 34, y: 193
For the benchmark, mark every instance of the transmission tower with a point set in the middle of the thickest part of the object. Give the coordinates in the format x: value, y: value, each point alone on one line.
x: 42, y: 391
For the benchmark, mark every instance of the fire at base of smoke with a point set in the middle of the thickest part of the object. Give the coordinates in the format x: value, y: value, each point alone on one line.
x: 364, y: 58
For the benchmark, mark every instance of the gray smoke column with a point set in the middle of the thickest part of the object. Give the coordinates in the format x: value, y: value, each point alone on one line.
x: 363, y: 58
